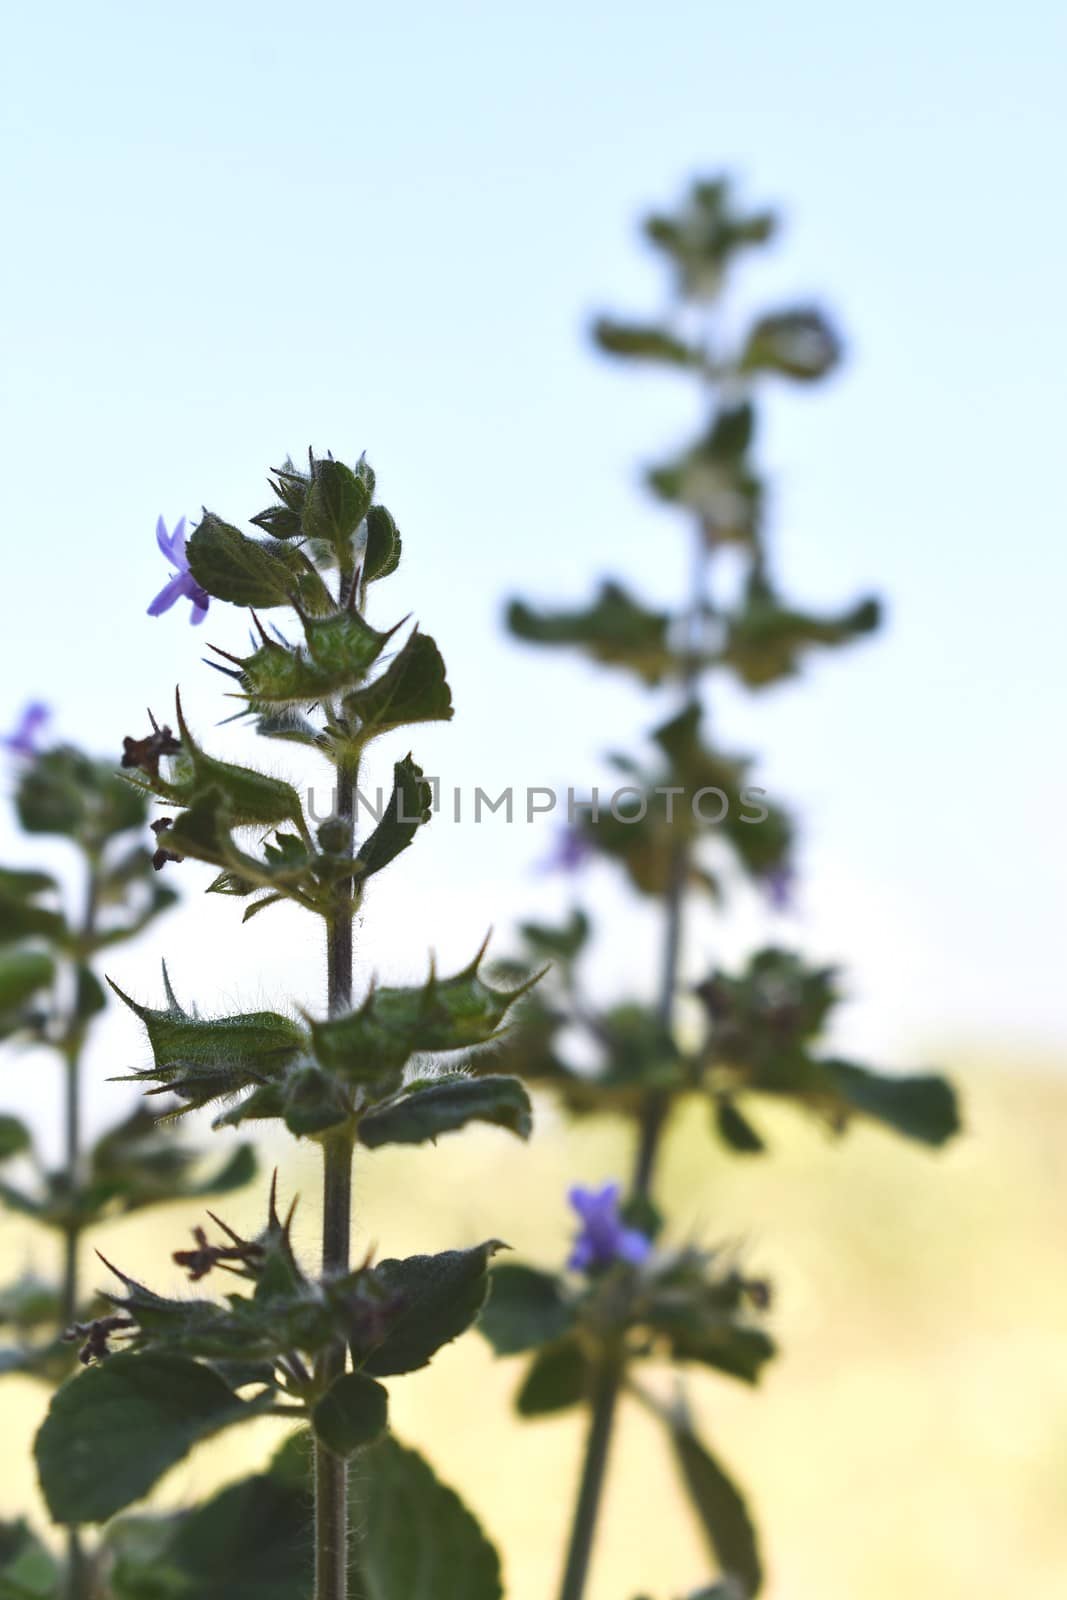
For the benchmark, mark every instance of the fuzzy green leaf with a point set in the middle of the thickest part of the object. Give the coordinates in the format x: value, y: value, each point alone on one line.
x: 113, y: 1431
x: 201, y: 1059
x: 408, y: 809
x: 339, y: 652
x: 437, y: 1297
x: 381, y: 555
x: 353, y: 1413
x: 445, y: 1014
x: 232, y: 567
x: 336, y: 502
x: 423, y: 1111
x: 415, y: 1539
x: 413, y: 688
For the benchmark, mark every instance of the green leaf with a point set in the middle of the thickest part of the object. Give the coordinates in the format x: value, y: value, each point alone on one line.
x: 15, y: 1137
x: 766, y: 641
x: 247, y: 796
x: 409, y: 807
x: 721, y: 1510
x: 616, y: 631
x: 415, y: 1539
x: 22, y: 973
x: 730, y: 1347
x: 714, y: 479
x: 340, y: 650
x: 799, y: 344
x: 65, y: 791
x: 735, y: 1130
x: 201, y: 1059
x: 252, y: 1541
x: 336, y: 502
x: 28, y: 1570
x: 922, y: 1107
x: 423, y: 1111
x: 232, y: 567
x: 705, y: 235
x: 645, y: 343
x: 113, y: 1431
x: 413, y: 688
x: 381, y: 556
x: 563, y: 943
x: 437, y: 1298
x: 353, y: 1412
x: 558, y: 1378
x: 526, y: 1308
x: 371, y: 1045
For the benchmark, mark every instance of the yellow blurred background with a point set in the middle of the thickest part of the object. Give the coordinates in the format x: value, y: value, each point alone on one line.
x: 910, y: 1440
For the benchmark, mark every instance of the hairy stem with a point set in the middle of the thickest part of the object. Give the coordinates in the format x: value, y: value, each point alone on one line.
x: 331, y: 1473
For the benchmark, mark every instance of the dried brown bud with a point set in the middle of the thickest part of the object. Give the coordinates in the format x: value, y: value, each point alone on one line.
x: 145, y: 753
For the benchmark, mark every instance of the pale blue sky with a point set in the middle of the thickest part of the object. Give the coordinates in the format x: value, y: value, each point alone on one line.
x: 232, y: 231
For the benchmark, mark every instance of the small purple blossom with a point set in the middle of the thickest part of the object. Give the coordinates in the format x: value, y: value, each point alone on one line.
x: 603, y: 1237
x: 572, y: 850
x: 182, y: 586
x: 23, y: 740
x: 779, y: 885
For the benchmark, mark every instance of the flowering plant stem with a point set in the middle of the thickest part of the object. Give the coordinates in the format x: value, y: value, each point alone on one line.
x: 331, y: 1472
x: 612, y: 1374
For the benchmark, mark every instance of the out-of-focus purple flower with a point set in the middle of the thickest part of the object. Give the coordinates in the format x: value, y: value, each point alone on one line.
x: 572, y: 850
x: 23, y: 740
x: 779, y: 885
x: 603, y: 1237
x: 183, y: 586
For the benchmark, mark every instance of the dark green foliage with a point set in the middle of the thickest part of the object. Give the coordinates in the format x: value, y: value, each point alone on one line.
x: 413, y: 1537
x: 413, y: 688
x: 526, y: 1308
x: 92, y: 1465
x: 616, y: 631
x: 721, y: 1511
x: 406, y: 812
x: 436, y: 1297
x: 764, y: 1027
x: 425, y: 1110
x: 230, y: 566
x: 558, y: 1377
x: 352, y: 1413
x: 416, y: 1540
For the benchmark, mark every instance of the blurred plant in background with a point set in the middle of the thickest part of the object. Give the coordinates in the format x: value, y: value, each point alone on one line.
x: 51, y: 997
x: 687, y: 823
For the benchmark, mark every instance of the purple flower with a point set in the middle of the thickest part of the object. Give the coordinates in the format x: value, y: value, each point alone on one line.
x: 183, y: 586
x: 23, y: 741
x: 573, y: 849
x: 779, y: 885
x: 603, y: 1237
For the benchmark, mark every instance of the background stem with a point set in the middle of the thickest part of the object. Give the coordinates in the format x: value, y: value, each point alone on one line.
x: 331, y: 1473
x: 79, y: 1569
x: 605, y: 1394
x: 653, y: 1115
